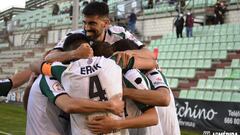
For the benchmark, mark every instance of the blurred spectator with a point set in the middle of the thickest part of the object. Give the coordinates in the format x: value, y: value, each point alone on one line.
x: 71, y: 12
x: 210, y: 16
x: 150, y: 4
x: 132, y: 22
x: 5, y: 19
x: 179, y: 22
x: 56, y: 9
x: 171, y: 2
x: 189, y: 24
x: 182, y: 3
x: 220, y: 10
x: 180, y: 6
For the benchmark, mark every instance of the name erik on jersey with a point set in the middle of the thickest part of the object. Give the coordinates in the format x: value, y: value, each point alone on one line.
x: 89, y: 69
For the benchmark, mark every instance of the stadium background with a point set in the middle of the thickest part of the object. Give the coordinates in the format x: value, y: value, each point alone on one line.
x: 204, y: 68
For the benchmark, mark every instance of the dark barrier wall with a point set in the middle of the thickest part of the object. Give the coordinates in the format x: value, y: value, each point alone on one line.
x: 208, y: 115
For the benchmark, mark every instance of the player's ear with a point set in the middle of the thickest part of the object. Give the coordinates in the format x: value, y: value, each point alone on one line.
x: 106, y: 22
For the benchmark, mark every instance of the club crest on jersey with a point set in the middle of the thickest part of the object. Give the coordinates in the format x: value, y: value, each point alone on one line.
x: 90, y: 60
x: 57, y: 87
x: 159, y: 79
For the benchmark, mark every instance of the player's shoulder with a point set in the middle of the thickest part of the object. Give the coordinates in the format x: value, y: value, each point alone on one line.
x: 107, y: 63
x: 78, y: 31
x: 116, y: 29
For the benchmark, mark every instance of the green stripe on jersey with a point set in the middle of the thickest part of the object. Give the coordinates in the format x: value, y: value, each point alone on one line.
x: 57, y: 72
x: 164, y: 78
x: 45, y: 89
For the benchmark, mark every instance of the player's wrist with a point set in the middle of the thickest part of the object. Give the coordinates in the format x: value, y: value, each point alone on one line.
x: 117, y: 125
x: 73, y: 54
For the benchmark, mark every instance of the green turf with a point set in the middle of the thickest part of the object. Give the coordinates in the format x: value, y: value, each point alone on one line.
x: 189, y: 132
x: 12, y: 119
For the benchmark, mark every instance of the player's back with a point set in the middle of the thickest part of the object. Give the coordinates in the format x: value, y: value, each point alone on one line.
x: 39, y: 121
x: 96, y: 78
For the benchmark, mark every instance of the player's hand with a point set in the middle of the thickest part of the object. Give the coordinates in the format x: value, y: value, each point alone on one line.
x: 117, y: 105
x: 123, y: 58
x: 84, y: 51
x: 102, y: 125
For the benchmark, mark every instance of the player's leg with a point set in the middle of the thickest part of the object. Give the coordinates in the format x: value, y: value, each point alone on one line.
x: 15, y: 81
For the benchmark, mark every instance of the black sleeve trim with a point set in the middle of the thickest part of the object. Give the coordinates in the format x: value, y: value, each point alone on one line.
x: 161, y: 86
x: 142, y: 46
x: 58, y: 48
x: 58, y: 96
x: 11, y: 82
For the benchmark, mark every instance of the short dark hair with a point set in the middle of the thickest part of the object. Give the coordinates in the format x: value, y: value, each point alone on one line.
x: 73, y: 41
x: 107, y: 50
x: 102, y: 49
x: 96, y: 8
x: 124, y: 44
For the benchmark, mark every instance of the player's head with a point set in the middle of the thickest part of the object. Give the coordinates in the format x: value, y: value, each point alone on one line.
x: 124, y: 44
x: 73, y: 41
x: 107, y: 50
x: 102, y: 49
x: 96, y: 20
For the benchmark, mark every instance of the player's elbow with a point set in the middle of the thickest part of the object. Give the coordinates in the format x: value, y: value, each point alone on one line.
x: 67, y: 109
x: 166, y: 100
x: 154, y: 121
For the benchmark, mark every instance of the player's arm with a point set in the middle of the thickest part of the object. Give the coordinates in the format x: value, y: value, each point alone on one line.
x: 158, y: 96
x: 143, y: 52
x: 15, y: 81
x: 105, y: 124
x: 84, y: 51
x: 143, y: 58
x: 56, y: 69
x: 52, y: 89
x: 76, y: 105
x: 144, y: 63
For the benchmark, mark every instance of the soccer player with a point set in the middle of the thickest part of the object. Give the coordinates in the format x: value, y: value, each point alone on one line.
x: 43, y: 117
x: 48, y: 120
x: 96, y: 26
x: 140, y: 117
x: 85, y: 78
x: 160, y: 96
x: 148, y: 118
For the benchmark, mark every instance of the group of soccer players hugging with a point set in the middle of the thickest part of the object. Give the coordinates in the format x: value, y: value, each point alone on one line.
x: 97, y: 80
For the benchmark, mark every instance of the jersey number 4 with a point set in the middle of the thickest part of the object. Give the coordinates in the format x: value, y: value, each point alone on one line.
x: 98, y: 92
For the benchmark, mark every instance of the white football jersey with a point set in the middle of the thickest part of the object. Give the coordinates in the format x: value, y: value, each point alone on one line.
x: 43, y: 116
x: 96, y: 78
x: 167, y: 115
x: 113, y: 34
x: 135, y: 79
